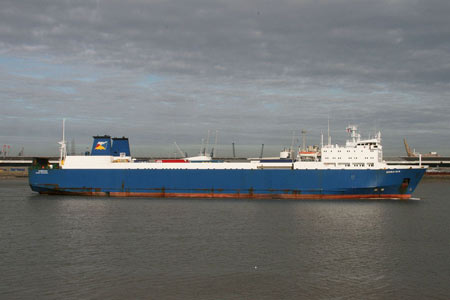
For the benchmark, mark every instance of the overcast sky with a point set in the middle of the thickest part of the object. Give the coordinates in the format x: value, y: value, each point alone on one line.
x: 164, y: 71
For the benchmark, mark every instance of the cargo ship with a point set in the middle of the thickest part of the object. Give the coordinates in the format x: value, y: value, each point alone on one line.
x: 354, y: 170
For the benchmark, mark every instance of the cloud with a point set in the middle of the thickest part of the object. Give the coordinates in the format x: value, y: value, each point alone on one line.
x: 159, y: 71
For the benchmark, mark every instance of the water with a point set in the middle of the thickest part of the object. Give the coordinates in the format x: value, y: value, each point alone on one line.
x: 54, y: 247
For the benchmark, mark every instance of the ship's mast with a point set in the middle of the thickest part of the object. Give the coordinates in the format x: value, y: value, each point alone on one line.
x: 321, y: 139
x: 62, y: 147
x: 329, y: 137
x: 353, y: 131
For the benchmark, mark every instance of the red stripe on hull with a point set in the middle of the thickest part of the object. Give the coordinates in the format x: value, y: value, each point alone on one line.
x: 243, y: 196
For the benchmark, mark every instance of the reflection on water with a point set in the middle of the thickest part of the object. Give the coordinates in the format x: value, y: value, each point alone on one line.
x: 75, y: 247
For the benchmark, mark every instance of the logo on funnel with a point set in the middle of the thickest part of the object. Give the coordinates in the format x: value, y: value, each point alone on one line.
x: 100, y: 146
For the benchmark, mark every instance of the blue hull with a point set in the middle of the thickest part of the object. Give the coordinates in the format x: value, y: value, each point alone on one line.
x: 296, y: 184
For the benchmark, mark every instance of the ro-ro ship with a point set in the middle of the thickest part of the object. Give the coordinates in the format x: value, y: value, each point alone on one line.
x: 354, y: 170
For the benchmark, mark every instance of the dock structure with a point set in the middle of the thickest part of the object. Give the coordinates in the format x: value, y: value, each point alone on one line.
x: 17, y: 166
x: 13, y: 172
x: 433, y: 163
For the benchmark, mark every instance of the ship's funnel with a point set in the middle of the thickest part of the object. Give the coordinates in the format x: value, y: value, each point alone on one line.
x: 101, y: 145
x: 120, y: 145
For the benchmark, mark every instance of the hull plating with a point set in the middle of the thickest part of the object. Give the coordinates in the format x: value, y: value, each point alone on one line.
x: 283, y: 184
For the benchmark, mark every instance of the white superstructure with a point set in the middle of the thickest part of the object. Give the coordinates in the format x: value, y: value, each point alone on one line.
x: 357, y: 153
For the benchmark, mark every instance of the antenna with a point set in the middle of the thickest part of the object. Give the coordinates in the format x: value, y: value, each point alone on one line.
x: 262, y: 151
x: 234, y: 152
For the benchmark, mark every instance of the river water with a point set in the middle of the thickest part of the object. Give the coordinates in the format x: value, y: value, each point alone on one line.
x: 63, y: 247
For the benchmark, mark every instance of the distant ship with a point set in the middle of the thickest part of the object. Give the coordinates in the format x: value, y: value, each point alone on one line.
x: 355, y: 170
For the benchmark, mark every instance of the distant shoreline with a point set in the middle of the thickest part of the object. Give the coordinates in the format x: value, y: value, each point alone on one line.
x: 13, y: 177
